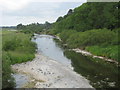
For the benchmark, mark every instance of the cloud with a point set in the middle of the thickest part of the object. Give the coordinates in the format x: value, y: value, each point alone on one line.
x: 13, y: 4
x: 19, y: 4
x: 14, y: 20
x: 32, y: 12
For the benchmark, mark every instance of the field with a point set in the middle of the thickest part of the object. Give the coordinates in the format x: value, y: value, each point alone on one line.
x: 16, y: 48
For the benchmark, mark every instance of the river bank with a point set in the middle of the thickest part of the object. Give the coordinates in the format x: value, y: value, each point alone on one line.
x: 86, y: 53
x: 48, y: 73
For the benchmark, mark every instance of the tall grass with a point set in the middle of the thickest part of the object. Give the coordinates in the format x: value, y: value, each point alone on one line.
x: 107, y: 51
x: 17, y: 48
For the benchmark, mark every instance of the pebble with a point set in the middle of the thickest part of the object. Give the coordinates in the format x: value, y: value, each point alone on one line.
x: 112, y: 84
x: 107, y: 78
x: 32, y: 68
x: 52, y: 78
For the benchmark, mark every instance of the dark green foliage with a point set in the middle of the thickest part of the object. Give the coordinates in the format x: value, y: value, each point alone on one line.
x: 89, y: 16
x: 70, y: 12
x: 34, y: 27
x: 9, y: 45
x: 66, y: 34
x: 7, y: 79
x: 19, y: 26
x: 59, y: 19
x: 88, y: 38
x: 117, y: 40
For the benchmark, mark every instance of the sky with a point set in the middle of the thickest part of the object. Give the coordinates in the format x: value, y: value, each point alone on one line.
x: 14, y: 12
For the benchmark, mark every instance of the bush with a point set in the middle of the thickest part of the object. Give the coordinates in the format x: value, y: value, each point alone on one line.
x: 64, y: 35
x: 91, y: 37
x: 17, y: 57
x: 9, y: 45
x: 7, y: 79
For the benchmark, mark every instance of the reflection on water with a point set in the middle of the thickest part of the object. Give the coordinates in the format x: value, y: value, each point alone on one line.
x: 47, y: 46
x: 102, y: 74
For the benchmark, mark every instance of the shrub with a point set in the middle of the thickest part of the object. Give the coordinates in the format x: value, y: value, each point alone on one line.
x: 91, y: 37
x: 7, y: 79
x: 9, y: 45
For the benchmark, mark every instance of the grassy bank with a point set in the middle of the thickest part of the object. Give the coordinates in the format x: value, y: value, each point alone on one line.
x: 16, y: 48
x: 101, y: 42
x: 106, y: 51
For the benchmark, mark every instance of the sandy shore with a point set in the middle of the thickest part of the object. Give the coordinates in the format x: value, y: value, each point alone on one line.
x: 48, y: 73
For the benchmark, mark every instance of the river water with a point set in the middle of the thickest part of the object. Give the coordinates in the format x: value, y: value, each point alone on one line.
x: 48, y: 47
x: 100, y: 73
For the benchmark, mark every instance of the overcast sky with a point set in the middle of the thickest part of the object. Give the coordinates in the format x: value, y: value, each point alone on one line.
x: 13, y: 12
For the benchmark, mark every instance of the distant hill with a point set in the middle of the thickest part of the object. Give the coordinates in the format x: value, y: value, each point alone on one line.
x: 10, y: 27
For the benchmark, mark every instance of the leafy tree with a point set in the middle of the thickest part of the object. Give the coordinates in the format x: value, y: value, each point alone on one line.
x: 34, y: 27
x: 90, y: 15
x: 19, y: 26
x: 70, y: 12
x: 59, y: 19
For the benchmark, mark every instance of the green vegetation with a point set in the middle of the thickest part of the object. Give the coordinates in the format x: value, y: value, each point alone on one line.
x: 101, y: 42
x: 7, y: 79
x: 90, y: 15
x: 34, y: 27
x: 107, y: 51
x: 91, y: 26
x: 17, y: 48
x: 88, y: 38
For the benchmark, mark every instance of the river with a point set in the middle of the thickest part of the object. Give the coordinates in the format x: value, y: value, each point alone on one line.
x: 48, y: 47
x: 99, y: 72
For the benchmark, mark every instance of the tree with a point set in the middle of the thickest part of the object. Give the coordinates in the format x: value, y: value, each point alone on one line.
x: 59, y: 19
x: 95, y: 15
x: 19, y: 26
x: 70, y: 12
